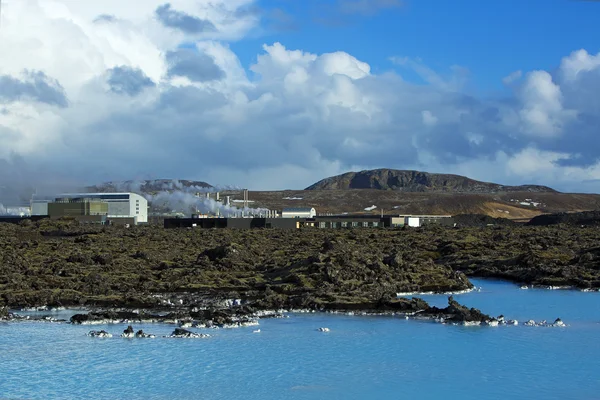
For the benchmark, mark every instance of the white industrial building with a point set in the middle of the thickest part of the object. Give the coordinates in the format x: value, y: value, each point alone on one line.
x: 414, y: 222
x: 120, y: 205
x: 299, y: 212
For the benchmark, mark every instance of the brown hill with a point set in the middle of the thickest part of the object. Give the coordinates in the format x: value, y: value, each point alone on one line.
x: 513, y: 205
x: 417, y: 181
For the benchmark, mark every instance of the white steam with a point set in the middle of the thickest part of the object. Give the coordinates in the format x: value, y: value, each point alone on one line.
x: 183, y: 196
x: 188, y: 202
x: 14, y: 211
x: 159, y: 185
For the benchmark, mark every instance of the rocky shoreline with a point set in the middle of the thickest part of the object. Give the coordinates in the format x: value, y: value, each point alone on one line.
x: 240, y: 316
x: 64, y: 264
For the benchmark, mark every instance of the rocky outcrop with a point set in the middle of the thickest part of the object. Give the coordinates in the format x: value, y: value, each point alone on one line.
x: 100, y: 334
x: 480, y: 221
x: 14, y: 317
x: 417, y: 181
x: 180, y: 333
x: 105, y: 317
x: 227, y: 316
x: 196, y: 275
x: 585, y: 218
x: 457, y: 313
x: 128, y: 333
x: 142, y: 334
x: 558, y: 323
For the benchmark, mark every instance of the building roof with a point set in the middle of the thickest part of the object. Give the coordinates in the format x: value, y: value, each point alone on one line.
x: 298, y: 209
x: 107, y: 196
x: 96, y: 194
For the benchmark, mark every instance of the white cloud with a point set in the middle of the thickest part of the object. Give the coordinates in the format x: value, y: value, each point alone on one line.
x: 512, y: 77
x: 543, y: 113
x: 135, y: 105
x: 343, y: 64
x: 577, y: 62
x: 428, y: 118
x: 454, y: 83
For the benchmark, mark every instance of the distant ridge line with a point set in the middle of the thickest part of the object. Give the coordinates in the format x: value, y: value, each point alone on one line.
x: 417, y: 181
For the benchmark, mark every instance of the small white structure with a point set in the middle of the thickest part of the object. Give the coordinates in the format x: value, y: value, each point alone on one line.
x: 120, y: 205
x: 39, y: 207
x: 414, y: 222
x: 299, y: 212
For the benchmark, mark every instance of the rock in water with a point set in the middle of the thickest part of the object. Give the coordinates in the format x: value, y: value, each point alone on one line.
x: 128, y: 333
x: 142, y: 334
x: 457, y: 313
x: 100, y: 334
x: 558, y: 322
x: 183, y: 333
x: 323, y: 329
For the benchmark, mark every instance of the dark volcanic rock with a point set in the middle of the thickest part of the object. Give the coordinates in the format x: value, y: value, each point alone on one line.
x: 100, y: 334
x: 479, y: 220
x: 142, y: 334
x: 101, y: 316
x: 456, y: 312
x: 183, y: 333
x: 271, y: 269
x: 586, y: 218
x: 129, y: 332
x: 417, y: 181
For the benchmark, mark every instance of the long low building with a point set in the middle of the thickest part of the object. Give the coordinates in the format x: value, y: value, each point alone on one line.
x: 114, y: 206
x: 299, y: 212
x: 232, y: 223
x: 320, y: 222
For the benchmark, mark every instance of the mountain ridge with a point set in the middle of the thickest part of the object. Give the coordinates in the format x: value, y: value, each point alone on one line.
x: 418, y: 181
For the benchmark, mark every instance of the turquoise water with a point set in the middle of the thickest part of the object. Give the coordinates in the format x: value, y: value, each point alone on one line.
x: 360, y: 358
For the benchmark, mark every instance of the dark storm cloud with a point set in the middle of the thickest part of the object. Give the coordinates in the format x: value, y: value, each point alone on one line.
x: 126, y: 80
x: 36, y: 86
x: 182, y: 21
x: 197, y: 66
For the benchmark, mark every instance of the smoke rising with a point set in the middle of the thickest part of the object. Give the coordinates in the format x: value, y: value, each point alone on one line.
x: 189, y: 203
x: 14, y: 211
x: 181, y: 196
x: 157, y: 185
x: 19, y: 182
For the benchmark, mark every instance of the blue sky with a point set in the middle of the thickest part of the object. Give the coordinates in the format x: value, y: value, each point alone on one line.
x: 490, y: 38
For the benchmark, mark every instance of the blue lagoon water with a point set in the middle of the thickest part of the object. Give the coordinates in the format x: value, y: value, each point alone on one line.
x: 360, y: 358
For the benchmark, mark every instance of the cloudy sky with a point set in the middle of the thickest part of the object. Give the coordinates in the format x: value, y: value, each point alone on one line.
x: 278, y: 94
